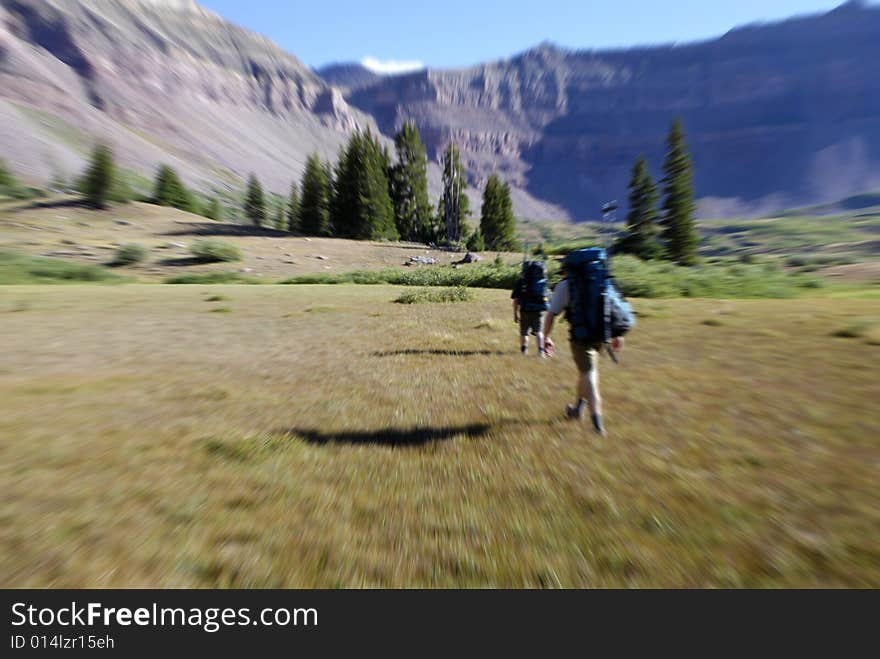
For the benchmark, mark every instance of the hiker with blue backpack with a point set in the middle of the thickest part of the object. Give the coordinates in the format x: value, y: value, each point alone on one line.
x: 598, y: 317
x: 529, y: 304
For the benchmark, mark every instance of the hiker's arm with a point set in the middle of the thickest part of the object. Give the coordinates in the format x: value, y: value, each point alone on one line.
x: 515, y: 310
x: 558, y: 303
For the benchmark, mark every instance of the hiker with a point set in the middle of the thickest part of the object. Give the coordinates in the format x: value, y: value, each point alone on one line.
x: 529, y: 304
x: 598, y: 316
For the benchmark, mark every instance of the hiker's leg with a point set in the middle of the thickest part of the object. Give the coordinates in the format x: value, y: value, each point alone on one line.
x: 590, y: 382
x: 588, y: 397
x: 539, y: 332
x: 593, y: 397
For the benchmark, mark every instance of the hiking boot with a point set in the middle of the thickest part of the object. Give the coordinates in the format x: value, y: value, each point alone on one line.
x: 574, y: 412
x: 597, y: 425
x: 542, y: 354
x: 524, y: 350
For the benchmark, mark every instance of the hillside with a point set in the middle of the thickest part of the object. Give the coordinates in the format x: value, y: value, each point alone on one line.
x: 66, y: 230
x: 162, y: 81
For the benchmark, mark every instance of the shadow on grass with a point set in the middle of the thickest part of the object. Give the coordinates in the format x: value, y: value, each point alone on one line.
x: 226, y: 229
x: 440, y: 353
x: 393, y: 437
x: 184, y: 261
x: 67, y: 202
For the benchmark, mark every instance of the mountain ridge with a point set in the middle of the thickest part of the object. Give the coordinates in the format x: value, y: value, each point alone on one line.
x: 565, y: 125
x: 777, y: 114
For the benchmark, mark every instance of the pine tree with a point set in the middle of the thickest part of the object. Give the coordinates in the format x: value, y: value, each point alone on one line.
x: 279, y: 221
x: 255, y: 202
x: 377, y: 213
x: 213, y: 211
x: 100, y: 177
x: 454, y: 206
x: 344, y: 202
x: 497, y: 223
x: 409, y: 186
x: 313, y: 209
x: 362, y: 207
x: 170, y: 191
x: 679, y: 235
x: 293, y: 209
x: 642, y: 229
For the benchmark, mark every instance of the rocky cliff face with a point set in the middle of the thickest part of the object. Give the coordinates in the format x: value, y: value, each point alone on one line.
x: 162, y: 80
x: 777, y: 115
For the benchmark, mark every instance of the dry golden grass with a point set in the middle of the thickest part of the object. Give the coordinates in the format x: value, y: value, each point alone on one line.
x: 325, y: 436
x: 79, y: 234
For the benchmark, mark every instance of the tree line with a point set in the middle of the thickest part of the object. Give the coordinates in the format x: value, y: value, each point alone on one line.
x: 367, y: 196
x: 670, y: 232
x: 364, y: 196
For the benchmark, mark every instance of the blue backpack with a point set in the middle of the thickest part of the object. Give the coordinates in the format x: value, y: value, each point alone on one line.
x: 597, y: 311
x: 534, y: 292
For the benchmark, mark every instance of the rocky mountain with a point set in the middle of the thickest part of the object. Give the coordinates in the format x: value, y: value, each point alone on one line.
x: 162, y: 81
x: 777, y: 114
x: 348, y: 77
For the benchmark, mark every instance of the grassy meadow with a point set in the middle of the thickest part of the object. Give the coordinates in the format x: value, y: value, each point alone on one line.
x: 329, y: 436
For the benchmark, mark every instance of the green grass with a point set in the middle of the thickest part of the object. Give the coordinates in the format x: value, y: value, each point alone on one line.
x: 857, y: 330
x: 20, y: 269
x: 385, y: 445
x: 225, y: 277
x: 472, y: 276
x: 443, y: 295
x: 661, y: 279
x: 636, y: 278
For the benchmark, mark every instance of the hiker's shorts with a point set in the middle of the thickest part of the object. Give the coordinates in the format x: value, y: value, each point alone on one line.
x: 585, y: 356
x: 531, y: 321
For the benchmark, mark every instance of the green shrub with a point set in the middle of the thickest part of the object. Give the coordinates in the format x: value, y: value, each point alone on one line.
x: 212, y: 278
x: 476, y: 276
x: 130, y: 254
x: 636, y: 278
x: 660, y: 279
x: 21, y: 269
x: 211, y: 251
x: 443, y: 295
x: 476, y: 243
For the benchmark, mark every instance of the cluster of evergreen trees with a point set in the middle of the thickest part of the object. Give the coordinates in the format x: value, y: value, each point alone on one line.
x: 672, y: 233
x: 365, y: 196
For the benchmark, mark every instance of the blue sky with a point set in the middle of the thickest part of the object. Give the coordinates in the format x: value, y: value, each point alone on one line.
x: 452, y: 33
